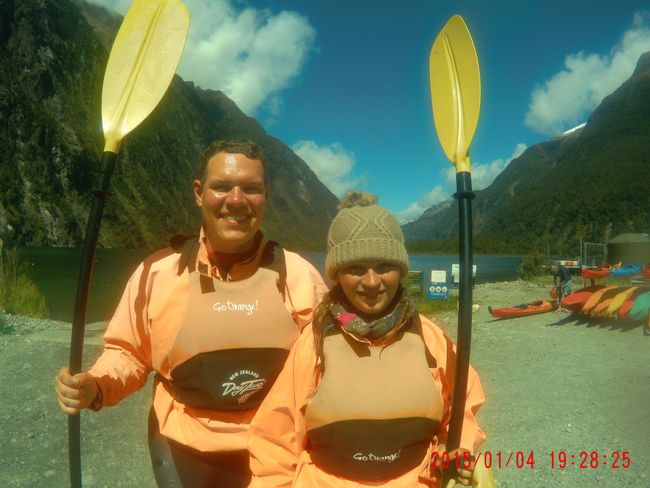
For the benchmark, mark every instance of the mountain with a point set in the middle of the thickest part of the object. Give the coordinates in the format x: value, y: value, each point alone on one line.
x: 582, y: 185
x: 52, y: 59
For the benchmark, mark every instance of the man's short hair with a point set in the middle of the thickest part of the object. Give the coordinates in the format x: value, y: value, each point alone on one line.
x: 248, y: 148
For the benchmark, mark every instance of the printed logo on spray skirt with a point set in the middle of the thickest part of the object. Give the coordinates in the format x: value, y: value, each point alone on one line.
x: 228, y: 306
x: 243, y: 384
x: 371, y: 457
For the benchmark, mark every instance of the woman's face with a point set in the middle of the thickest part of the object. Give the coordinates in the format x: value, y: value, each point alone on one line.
x: 370, y: 286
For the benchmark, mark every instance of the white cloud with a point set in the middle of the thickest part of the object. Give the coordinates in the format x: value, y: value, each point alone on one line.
x: 483, y: 174
x: 569, y: 96
x: 332, y: 164
x: 428, y: 200
x: 251, y: 55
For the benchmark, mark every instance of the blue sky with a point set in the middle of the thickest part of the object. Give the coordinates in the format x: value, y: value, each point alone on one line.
x: 346, y: 83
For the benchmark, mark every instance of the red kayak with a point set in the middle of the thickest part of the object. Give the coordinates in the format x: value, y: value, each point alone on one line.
x: 532, y: 308
x: 593, y: 274
x: 576, y: 299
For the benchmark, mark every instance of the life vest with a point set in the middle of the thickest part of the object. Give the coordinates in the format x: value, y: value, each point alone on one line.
x: 376, y: 409
x: 235, y: 336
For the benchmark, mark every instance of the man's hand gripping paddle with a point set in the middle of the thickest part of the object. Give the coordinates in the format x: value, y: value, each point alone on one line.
x: 456, y: 99
x: 141, y: 65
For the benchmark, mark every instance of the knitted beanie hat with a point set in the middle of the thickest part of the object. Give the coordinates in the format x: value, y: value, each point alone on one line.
x: 363, y: 231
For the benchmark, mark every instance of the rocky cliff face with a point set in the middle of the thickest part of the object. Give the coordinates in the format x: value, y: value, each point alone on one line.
x: 570, y: 187
x: 52, y: 59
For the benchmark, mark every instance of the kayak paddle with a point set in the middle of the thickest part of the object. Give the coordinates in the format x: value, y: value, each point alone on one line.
x: 140, y: 67
x: 456, y: 99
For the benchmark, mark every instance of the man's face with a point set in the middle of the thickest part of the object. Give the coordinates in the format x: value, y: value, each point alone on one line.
x: 232, y: 200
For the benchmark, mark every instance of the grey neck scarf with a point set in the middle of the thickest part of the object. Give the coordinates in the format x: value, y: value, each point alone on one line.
x: 370, y: 330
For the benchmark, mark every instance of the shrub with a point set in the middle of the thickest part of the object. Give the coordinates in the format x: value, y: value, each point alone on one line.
x: 18, y: 294
x: 5, y: 329
x: 532, y: 265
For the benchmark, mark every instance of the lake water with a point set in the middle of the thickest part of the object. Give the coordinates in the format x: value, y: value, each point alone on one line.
x: 55, y: 270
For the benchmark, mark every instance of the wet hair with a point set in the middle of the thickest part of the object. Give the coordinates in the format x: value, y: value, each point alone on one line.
x: 248, y: 148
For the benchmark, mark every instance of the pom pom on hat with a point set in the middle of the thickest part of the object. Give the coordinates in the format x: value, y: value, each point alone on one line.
x: 357, y: 199
x: 363, y: 230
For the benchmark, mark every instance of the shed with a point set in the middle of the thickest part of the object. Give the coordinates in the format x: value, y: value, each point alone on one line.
x: 629, y: 248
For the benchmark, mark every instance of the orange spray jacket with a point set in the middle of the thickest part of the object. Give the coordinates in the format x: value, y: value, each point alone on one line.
x: 158, y: 326
x: 287, y: 449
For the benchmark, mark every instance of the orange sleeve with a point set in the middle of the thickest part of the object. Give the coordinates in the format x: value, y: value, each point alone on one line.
x: 444, y: 351
x: 277, y: 433
x: 472, y: 436
x: 125, y: 362
x: 305, y: 288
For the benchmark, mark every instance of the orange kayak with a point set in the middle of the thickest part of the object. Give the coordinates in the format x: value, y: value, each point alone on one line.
x: 594, y: 299
x: 606, y: 300
x: 532, y: 308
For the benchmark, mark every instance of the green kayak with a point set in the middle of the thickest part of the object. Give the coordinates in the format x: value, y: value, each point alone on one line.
x: 641, y: 307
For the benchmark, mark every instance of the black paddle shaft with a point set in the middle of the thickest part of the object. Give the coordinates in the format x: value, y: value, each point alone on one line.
x: 81, y: 304
x: 464, y: 195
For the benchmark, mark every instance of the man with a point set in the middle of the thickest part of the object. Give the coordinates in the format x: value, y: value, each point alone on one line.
x: 562, y: 282
x: 214, y: 319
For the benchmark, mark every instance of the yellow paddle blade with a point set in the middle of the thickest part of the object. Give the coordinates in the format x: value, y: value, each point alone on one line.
x: 455, y: 83
x: 141, y: 65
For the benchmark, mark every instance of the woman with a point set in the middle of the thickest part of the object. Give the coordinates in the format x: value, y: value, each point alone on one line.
x: 364, y: 397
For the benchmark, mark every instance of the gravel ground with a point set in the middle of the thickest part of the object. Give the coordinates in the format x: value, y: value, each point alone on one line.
x: 555, y: 383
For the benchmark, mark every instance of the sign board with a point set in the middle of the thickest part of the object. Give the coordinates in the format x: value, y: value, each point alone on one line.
x: 438, y: 291
x: 455, y: 273
x: 438, y: 276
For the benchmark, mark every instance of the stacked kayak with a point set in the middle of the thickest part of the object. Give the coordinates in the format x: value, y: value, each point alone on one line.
x: 641, y: 306
x: 532, y: 308
x: 612, y: 298
x: 595, y: 298
x: 576, y: 299
x: 612, y: 301
x: 617, y: 302
x: 627, y: 305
